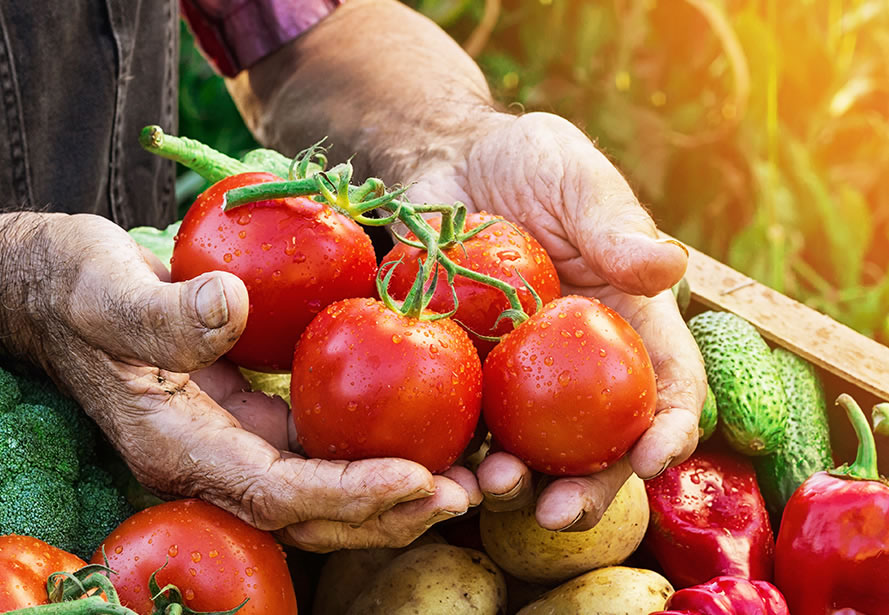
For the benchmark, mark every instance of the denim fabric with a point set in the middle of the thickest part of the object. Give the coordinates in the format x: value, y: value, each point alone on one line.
x: 78, y: 81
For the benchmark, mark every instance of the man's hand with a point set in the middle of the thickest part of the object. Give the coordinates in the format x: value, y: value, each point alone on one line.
x: 542, y: 172
x: 85, y: 302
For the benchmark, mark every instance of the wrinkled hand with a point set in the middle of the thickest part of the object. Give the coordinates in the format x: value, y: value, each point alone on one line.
x: 542, y: 172
x: 122, y: 342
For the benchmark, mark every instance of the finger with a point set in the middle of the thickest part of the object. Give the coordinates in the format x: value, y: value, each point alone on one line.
x: 578, y: 503
x: 260, y: 414
x: 396, y: 527
x: 467, y: 480
x: 180, y: 327
x: 505, y: 482
x: 159, y: 269
x: 220, y: 380
x: 178, y: 441
x: 681, y: 380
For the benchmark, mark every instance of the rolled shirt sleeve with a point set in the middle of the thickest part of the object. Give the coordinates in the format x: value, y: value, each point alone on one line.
x: 235, y: 34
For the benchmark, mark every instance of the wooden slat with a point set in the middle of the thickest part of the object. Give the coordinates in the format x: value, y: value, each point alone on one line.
x: 812, y: 335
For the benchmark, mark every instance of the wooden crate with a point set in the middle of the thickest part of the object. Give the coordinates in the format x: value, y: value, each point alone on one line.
x: 848, y: 362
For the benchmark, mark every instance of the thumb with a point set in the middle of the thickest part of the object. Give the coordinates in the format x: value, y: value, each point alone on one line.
x: 120, y: 306
x: 619, y: 242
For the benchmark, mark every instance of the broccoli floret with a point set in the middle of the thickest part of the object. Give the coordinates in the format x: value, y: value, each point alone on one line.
x: 102, y: 508
x: 40, y: 504
x: 9, y: 391
x: 40, y: 391
x: 36, y: 437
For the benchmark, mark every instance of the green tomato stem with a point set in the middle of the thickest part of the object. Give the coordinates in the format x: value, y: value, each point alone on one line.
x: 93, y: 605
x: 271, y: 190
x: 210, y: 164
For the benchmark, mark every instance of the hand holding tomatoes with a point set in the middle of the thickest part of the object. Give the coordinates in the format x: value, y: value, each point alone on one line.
x: 540, y: 171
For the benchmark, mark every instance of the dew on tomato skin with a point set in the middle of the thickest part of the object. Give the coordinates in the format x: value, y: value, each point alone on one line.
x: 173, y: 551
x: 242, y: 234
x: 396, y: 339
x: 227, y: 257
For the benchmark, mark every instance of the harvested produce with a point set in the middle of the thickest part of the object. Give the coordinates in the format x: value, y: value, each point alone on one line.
x: 727, y: 595
x: 50, y: 485
x: 489, y: 245
x: 751, y: 401
x: 709, y: 417
x: 708, y: 519
x: 806, y: 447
x: 214, y: 559
x: 529, y: 552
x: 606, y: 591
x: 570, y: 390
x: 368, y: 381
x: 296, y: 256
x: 434, y: 580
x: 25, y: 565
x: 833, y: 543
x: 347, y: 572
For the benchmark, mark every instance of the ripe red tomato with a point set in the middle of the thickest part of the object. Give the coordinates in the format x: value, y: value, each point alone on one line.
x: 369, y: 382
x: 571, y: 389
x: 215, y: 559
x: 500, y: 251
x: 25, y: 565
x: 295, y: 256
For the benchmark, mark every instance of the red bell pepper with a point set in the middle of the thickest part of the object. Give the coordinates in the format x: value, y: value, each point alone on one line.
x: 833, y: 544
x: 708, y: 519
x: 727, y: 596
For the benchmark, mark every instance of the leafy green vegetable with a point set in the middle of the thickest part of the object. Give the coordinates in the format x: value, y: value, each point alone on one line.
x: 160, y: 242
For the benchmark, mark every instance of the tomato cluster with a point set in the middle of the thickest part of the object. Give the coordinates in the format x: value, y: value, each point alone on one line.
x: 568, y: 391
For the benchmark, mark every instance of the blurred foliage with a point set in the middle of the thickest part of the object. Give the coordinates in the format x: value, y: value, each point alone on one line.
x: 754, y: 130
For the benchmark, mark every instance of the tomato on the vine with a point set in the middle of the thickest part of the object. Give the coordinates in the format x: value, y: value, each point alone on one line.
x: 212, y: 557
x: 295, y: 256
x: 502, y: 251
x: 571, y: 389
x: 25, y: 566
x: 371, y: 382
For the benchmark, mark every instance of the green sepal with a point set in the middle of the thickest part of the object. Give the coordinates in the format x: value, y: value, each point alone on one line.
x: 168, y: 599
x: 880, y: 416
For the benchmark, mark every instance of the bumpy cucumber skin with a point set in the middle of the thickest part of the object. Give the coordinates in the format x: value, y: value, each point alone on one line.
x: 751, y: 401
x: 806, y: 448
x: 707, y: 423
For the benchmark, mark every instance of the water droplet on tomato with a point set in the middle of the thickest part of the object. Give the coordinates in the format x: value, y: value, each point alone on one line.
x: 352, y: 406
x: 189, y: 594
x: 396, y: 339
x: 213, y: 553
x: 173, y: 551
x: 565, y: 378
x: 266, y: 247
x: 242, y: 234
x: 248, y: 571
x: 314, y: 305
x: 299, y: 257
x: 602, y: 352
x: 508, y: 255
x: 433, y: 349
x: 578, y: 333
x: 227, y: 257
x: 244, y: 219
x: 118, y: 549
x: 548, y: 361
x: 276, y: 274
x: 195, y: 556
x: 192, y: 572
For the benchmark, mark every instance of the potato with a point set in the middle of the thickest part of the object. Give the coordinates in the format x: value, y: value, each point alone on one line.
x: 615, y: 590
x: 346, y: 573
x: 525, y: 550
x: 435, y: 580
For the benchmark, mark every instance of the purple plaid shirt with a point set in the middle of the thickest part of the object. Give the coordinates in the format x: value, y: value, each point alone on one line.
x: 235, y: 34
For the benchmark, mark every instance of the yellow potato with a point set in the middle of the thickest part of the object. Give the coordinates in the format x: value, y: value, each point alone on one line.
x: 615, y: 590
x: 347, y: 572
x: 525, y: 550
x: 435, y: 580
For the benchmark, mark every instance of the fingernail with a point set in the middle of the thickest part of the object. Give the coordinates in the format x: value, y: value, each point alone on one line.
x: 509, y: 494
x: 662, y: 470
x: 577, y: 519
x: 210, y: 303
x: 444, y: 516
x: 675, y: 242
x: 416, y: 495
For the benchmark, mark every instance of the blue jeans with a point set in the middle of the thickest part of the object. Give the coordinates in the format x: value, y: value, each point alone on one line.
x: 78, y: 80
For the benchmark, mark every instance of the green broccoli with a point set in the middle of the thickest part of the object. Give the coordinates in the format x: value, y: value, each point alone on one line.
x: 40, y: 504
x: 9, y: 391
x: 101, y: 509
x: 50, y: 485
x: 40, y: 391
x: 37, y: 437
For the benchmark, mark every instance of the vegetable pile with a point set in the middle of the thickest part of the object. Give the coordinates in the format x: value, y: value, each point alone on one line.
x: 459, y: 331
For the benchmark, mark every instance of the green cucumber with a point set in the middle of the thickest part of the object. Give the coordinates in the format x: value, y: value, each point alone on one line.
x: 707, y: 422
x: 751, y: 401
x: 806, y: 447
